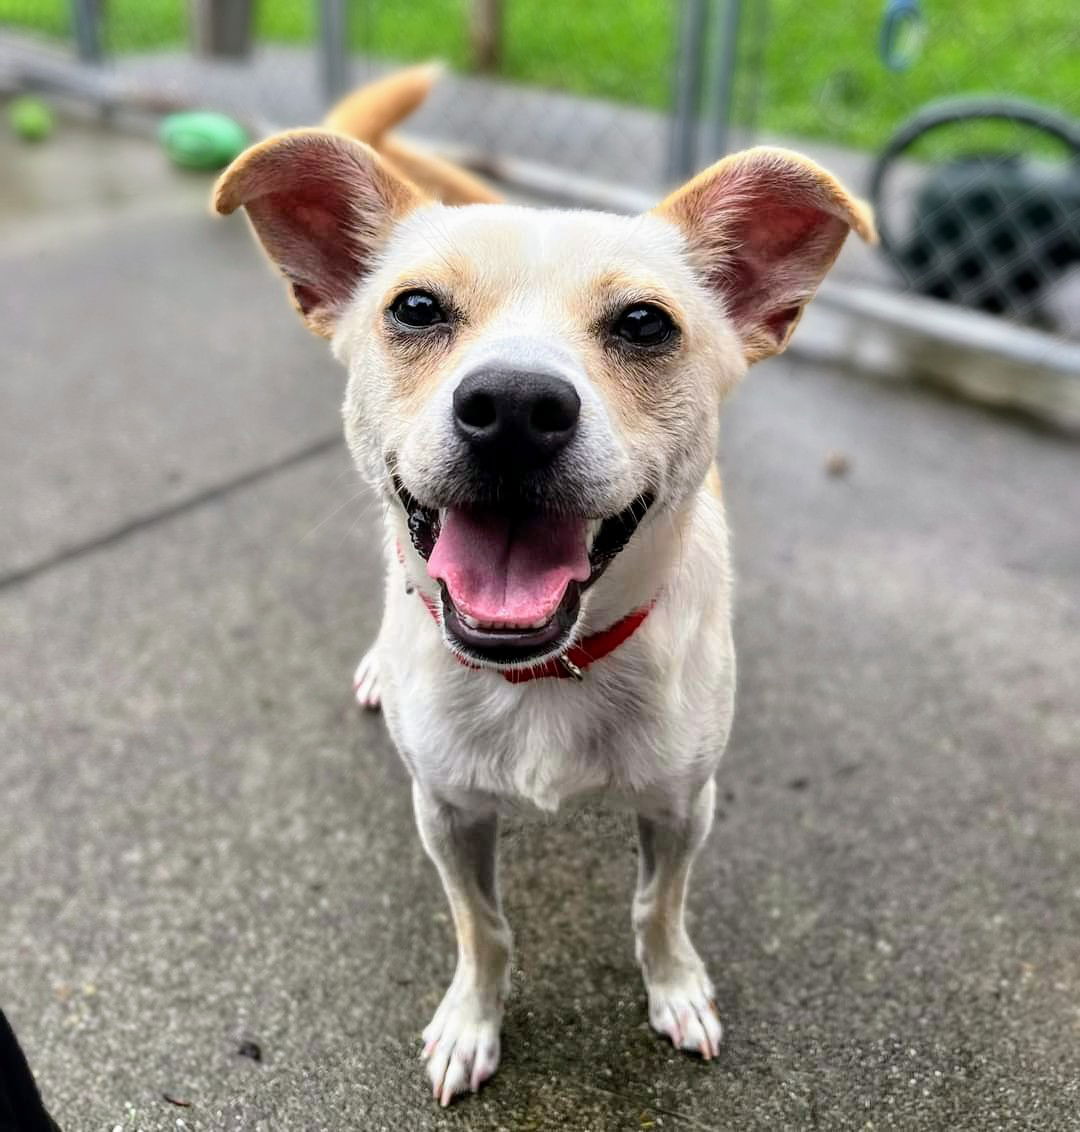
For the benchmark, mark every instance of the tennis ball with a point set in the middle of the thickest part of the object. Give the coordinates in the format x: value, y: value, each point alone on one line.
x: 30, y: 118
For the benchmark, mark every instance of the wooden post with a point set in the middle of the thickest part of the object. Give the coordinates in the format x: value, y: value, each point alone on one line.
x: 485, y: 34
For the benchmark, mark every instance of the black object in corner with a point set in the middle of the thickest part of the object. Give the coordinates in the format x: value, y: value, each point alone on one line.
x: 21, y: 1108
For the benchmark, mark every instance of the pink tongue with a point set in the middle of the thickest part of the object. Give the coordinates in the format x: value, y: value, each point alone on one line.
x: 508, y: 569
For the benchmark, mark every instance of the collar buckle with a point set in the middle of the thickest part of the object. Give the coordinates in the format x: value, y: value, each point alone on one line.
x: 569, y: 667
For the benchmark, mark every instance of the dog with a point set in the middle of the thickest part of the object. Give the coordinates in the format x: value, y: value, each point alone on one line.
x: 534, y: 395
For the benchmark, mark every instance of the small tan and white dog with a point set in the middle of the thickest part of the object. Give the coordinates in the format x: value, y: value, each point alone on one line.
x: 534, y: 394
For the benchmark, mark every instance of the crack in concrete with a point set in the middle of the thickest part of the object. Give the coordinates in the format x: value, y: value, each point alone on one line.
x: 162, y: 515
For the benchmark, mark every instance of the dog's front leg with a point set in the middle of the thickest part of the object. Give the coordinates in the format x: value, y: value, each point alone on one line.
x: 461, y: 1043
x: 680, y: 992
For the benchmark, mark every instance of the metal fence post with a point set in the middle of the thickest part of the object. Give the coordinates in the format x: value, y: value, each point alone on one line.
x: 726, y: 51
x: 86, y: 24
x: 334, y: 47
x: 486, y: 34
x: 689, y: 60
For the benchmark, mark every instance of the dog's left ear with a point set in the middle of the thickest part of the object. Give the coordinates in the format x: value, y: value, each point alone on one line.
x: 763, y: 227
x: 322, y: 206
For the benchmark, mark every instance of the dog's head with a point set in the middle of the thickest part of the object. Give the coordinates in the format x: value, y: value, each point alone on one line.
x: 530, y: 386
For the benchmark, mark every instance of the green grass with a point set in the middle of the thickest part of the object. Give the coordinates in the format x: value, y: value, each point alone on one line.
x: 821, y: 78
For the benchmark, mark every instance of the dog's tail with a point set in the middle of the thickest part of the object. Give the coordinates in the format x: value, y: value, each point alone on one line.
x: 368, y: 114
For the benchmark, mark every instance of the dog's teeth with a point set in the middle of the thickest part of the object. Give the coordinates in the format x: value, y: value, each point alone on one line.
x: 503, y: 626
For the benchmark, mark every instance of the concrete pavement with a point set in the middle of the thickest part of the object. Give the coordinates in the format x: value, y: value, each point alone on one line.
x: 204, y: 844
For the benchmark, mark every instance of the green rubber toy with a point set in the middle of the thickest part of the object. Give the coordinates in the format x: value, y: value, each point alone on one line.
x: 30, y: 118
x: 202, y: 139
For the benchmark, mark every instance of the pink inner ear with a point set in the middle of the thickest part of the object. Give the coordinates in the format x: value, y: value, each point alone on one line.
x: 318, y: 220
x: 767, y: 234
x: 773, y: 259
x: 777, y: 229
x: 313, y: 231
x: 321, y: 205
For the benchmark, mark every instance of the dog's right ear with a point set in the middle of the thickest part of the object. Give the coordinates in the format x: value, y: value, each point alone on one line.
x: 322, y: 205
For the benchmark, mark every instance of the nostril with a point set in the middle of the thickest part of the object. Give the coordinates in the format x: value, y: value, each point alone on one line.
x: 555, y: 413
x: 477, y: 410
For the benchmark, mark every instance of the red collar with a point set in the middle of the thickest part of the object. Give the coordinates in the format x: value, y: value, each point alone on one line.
x: 572, y: 663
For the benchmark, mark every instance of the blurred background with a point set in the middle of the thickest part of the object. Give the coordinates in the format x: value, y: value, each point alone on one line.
x: 959, y: 120
x: 207, y: 852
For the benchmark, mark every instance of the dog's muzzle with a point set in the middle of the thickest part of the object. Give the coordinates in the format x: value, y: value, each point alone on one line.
x: 517, y: 541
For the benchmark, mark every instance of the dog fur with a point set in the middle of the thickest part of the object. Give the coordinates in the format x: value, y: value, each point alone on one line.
x: 732, y: 257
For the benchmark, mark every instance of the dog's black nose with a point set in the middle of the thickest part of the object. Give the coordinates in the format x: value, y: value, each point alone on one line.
x: 513, y: 419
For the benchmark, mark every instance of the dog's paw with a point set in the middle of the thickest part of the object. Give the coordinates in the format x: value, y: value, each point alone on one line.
x: 682, y: 1008
x: 366, y: 682
x: 461, y: 1045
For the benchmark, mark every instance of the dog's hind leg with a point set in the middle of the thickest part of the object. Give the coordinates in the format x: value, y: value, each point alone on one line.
x: 461, y: 1043
x: 680, y: 992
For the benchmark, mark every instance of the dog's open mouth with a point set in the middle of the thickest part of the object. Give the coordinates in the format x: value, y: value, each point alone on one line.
x: 511, y: 580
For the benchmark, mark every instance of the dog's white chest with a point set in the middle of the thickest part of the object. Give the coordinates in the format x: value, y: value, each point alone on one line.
x: 652, y: 717
x: 546, y: 774
x: 534, y: 746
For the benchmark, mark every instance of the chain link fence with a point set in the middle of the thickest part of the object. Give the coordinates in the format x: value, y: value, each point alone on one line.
x: 978, y: 196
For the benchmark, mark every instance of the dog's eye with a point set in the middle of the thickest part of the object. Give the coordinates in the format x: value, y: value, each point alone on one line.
x: 417, y: 309
x: 644, y: 325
